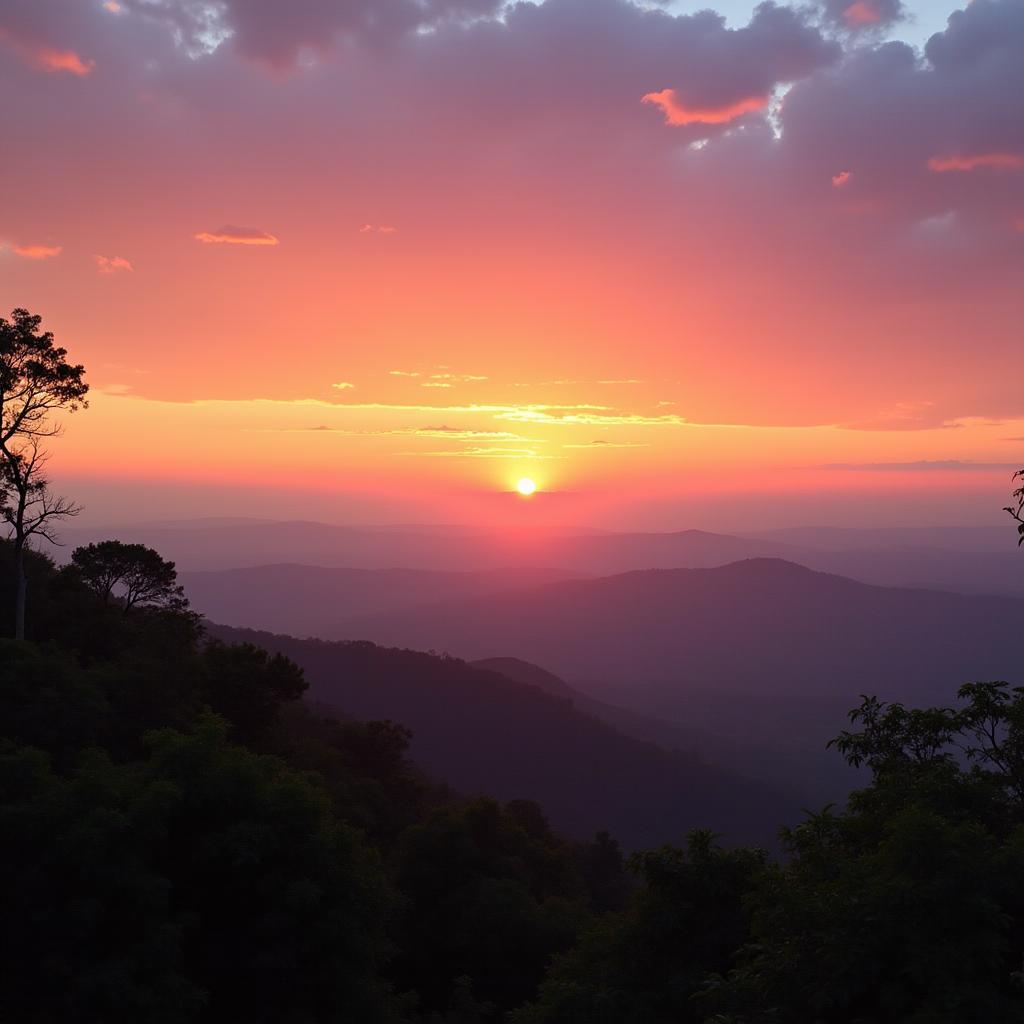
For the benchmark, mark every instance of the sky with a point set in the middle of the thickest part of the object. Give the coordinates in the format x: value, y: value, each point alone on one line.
x: 376, y: 260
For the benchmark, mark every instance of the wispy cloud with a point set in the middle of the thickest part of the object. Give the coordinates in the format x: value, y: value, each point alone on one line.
x: 445, y: 433
x: 923, y: 466
x: 112, y: 264
x: 343, y: 385
x: 609, y: 444
x: 679, y: 113
x: 63, y: 60
x: 556, y: 415
x: 485, y: 453
x: 905, y: 416
x: 378, y: 229
x: 974, y: 161
x: 585, y: 416
x: 232, y: 235
x: 37, y: 252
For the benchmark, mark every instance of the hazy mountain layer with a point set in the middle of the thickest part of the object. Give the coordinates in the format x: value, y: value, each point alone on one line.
x: 483, y: 732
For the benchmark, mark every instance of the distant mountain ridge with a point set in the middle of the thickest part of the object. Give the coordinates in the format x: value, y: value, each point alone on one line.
x: 757, y: 661
x: 305, y: 600
x: 970, y: 560
x: 746, y: 627
x: 484, y: 732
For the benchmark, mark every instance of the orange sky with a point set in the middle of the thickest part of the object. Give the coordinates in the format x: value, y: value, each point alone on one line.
x: 386, y: 277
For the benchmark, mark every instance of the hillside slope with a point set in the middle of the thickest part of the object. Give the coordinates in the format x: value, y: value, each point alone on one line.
x: 482, y: 732
x: 762, y: 626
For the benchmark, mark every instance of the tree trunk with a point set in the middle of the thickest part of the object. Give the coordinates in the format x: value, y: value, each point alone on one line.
x: 21, y: 592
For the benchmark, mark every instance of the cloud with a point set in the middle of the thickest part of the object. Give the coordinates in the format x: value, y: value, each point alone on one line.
x: 609, y: 444
x: 582, y: 416
x: 446, y: 433
x: 404, y: 373
x: 485, y: 453
x: 63, y: 60
x: 972, y: 161
x: 924, y: 466
x: 678, y: 113
x: 473, y: 137
x: 45, y: 58
x: 906, y: 416
x: 37, y: 252
x: 284, y: 35
x: 343, y: 385
x: 856, y: 15
x: 377, y: 229
x: 841, y: 179
x: 50, y: 35
x: 112, y: 264
x: 230, y: 235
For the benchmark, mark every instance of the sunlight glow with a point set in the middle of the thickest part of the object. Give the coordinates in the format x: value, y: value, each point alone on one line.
x: 526, y: 486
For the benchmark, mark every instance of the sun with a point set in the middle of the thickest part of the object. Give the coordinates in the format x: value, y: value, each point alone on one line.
x: 526, y: 486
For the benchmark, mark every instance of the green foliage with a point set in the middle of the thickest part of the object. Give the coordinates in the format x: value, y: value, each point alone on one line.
x: 645, y: 965
x: 909, y: 906
x: 185, y: 841
x: 226, y: 853
x: 506, y: 890
x: 202, y: 878
x: 248, y: 686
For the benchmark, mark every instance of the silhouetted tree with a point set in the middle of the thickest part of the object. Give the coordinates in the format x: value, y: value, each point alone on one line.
x: 132, y: 573
x: 1018, y: 512
x: 30, y: 510
x: 248, y: 686
x: 909, y: 905
x: 36, y: 381
x: 646, y: 964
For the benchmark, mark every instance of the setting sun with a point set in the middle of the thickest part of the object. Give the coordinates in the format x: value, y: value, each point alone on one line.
x: 526, y: 486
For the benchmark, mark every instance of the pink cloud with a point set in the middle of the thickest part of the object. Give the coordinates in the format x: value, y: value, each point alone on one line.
x: 28, y: 44
x: 63, y: 60
x: 230, y: 235
x: 678, y: 113
x: 378, y: 229
x: 862, y: 12
x: 112, y: 264
x: 37, y: 252
x: 973, y: 161
x: 841, y: 179
x: 859, y: 15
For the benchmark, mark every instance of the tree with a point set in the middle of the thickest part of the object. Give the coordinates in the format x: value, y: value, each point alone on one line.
x: 36, y: 382
x: 31, y: 513
x: 248, y: 686
x: 139, y: 574
x: 908, y: 906
x: 1018, y: 512
x: 198, y: 883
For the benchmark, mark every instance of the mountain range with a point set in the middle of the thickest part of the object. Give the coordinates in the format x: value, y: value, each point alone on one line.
x: 966, y: 559
x: 484, y: 732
